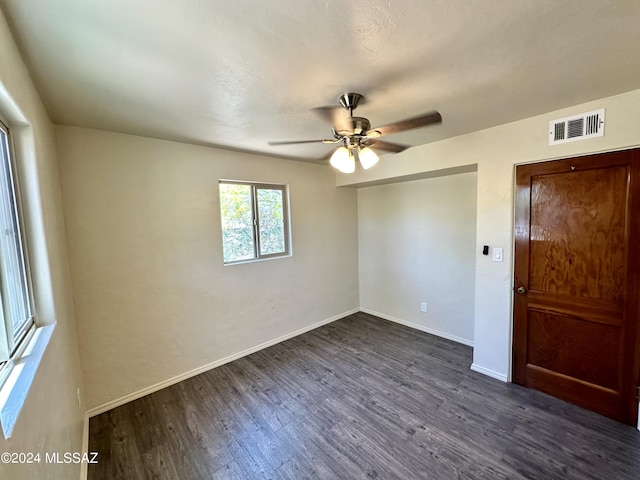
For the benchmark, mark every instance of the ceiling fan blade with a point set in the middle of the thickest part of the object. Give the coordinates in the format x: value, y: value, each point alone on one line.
x: 386, y: 146
x: 408, y: 124
x: 338, y: 117
x: 293, y: 142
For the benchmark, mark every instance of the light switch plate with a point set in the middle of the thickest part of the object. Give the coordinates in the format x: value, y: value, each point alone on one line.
x: 497, y: 254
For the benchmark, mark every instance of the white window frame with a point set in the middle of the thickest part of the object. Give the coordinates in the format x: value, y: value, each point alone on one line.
x: 255, y: 186
x: 13, y: 344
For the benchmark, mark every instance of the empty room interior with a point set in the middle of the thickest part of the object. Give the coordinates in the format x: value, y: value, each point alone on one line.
x: 319, y: 240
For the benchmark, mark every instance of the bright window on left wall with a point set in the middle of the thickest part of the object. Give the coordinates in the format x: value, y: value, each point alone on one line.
x: 16, y: 312
x: 255, y: 221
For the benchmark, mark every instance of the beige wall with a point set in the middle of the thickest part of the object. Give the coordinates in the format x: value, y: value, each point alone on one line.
x: 416, y: 243
x: 51, y: 420
x: 496, y: 151
x: 154, y: 300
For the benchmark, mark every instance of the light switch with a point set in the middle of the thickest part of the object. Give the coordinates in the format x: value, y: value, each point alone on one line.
x: 497, y: 254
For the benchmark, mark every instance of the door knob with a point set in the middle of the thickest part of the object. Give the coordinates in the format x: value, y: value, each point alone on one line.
x: 521, y: 290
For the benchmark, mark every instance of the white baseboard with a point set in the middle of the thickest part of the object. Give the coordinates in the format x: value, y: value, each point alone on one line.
x: 192, y: 373
x: 489, y: 373
x: 422, y: 328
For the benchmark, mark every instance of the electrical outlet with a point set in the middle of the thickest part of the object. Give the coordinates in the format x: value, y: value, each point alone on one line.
x: 423, y: 307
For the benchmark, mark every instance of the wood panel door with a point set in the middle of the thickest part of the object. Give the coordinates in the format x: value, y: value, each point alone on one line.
x: 577, y: 281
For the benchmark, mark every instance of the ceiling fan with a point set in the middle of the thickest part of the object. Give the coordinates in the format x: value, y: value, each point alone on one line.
x: 358, y: 140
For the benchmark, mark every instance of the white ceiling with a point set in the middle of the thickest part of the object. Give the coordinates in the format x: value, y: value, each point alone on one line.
x: 237, y: 73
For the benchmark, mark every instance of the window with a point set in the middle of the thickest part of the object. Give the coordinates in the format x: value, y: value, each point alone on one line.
x: 16, y: 317
x: 255, y: 221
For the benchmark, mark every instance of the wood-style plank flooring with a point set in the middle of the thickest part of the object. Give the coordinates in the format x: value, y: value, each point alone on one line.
x: 360, y: 398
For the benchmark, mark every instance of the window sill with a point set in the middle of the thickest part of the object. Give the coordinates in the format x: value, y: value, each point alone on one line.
x: 14, y: 391
x: 260, y: 259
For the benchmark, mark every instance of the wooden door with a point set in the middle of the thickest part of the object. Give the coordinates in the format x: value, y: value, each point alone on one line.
x: 577, y: 281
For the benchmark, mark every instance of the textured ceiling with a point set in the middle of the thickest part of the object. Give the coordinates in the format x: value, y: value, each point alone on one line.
x: 238, y: 73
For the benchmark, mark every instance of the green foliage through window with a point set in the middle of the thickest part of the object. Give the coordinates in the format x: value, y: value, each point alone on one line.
x: 254, y: 221
x: 271, y: 216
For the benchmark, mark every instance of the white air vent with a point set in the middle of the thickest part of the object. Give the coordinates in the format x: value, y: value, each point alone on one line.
x: 577, y: 127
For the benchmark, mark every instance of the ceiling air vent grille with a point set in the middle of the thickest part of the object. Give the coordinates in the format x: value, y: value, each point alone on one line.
x: 577, y: 127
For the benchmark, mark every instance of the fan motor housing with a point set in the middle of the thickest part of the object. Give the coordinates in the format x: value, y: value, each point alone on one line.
x: 359, y: 126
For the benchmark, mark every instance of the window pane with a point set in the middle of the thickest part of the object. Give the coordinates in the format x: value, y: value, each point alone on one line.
x: 14, y: 287
x: 271, y: 221
x: 237, y: 222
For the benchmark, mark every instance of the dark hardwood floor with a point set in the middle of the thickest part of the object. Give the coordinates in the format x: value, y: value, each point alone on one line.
x: 360, y: 398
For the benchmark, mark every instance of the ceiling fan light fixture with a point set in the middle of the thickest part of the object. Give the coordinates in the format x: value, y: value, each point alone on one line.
x: 355, y: 134
x: 349, y: 165
x: 343, y: 160
x: 368, y: 158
